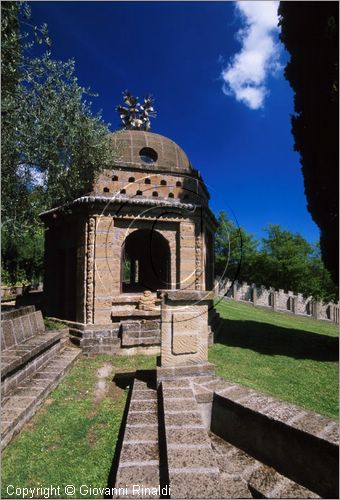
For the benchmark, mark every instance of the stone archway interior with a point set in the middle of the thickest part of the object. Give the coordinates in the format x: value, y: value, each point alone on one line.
x: 145, y: 262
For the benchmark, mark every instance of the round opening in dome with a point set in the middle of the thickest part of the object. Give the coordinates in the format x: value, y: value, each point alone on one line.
x: 148, y: 155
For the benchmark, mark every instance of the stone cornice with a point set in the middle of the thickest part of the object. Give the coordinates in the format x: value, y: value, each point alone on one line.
x: 135, y: 201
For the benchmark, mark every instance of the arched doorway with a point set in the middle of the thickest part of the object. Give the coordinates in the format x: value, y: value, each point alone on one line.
x: 145, y: 262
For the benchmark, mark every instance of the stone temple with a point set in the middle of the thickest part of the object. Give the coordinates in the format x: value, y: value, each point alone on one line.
x: 145, y: 226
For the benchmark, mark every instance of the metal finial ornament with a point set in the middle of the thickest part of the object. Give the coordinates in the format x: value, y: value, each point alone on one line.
x: 136, y: 116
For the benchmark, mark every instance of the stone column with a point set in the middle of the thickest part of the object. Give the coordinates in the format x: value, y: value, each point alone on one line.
x: 184, y: 334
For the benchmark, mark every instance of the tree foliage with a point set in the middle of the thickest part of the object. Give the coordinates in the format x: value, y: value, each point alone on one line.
x: 235, y: 250
x: 52, y: 145
x: 281, y: 259
x: 310, y: 32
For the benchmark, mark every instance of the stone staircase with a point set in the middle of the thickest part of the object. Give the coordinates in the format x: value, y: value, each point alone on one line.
x: 33, y: 362
x: 169, y: 450
x: 139, y: 461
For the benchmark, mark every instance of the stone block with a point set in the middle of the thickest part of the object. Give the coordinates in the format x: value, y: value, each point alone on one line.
x: 187, y: 436
x: 27, y: 329
x: 104, y: 239
x: 18, y: 329
x: 40, y: 322
x: 183, y: 383
x: 181, y: 420
x: 178, y: 405
x: 188, y: 266
x: 146, y: 475
x: 191, y: 457
x: 104, y: 223
x: 104, y: 289
x: 187, y: 253
x: 187, y: 242
x: 188, y: 295
x: 193, y: 370
x: 141, y: 434
x: 7, y: 334
x: 177, y: 393
x: 139, y: 453
x: 33, y: 321
x: 188, y: 484
x: 184, y: 344
x: 103, y: 303
x: 102, y: 317
x: 147, y: 396
x: 104, y: 252
x: 143, y: 406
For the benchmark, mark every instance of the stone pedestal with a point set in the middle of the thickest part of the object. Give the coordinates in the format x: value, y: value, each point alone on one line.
x: 184, y: 334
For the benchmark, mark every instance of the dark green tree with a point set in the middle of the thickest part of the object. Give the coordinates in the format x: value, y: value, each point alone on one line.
x: 52, y: 145
x: 310, y: 33
x: 235, y: 250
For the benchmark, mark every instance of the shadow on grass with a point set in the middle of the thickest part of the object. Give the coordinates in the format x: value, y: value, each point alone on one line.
x: 266, y: 338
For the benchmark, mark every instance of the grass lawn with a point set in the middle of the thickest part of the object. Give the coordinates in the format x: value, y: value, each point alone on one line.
x: 71, y: 440
x: 292, y: 358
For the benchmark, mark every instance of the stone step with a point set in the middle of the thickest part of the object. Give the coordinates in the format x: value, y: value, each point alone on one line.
x: 246, y: 477
x: 139, y: 460
x: 28, y: 369
x: 168, y: 451
x: 192, y: 467
x: 203, y: 465
x: 22, y: 403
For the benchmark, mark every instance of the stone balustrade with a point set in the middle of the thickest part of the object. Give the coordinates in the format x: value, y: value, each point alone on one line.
x: 278, y: 300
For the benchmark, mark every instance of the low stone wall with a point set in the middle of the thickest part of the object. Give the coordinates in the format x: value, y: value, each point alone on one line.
x: 299, y: 444
x: 278, y: 300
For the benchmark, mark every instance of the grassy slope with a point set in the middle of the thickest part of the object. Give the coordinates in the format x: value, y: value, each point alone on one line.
x: 292, y: 358
x: 71, y: 440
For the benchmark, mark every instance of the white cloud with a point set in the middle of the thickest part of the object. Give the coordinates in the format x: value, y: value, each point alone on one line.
x: 246, y: 74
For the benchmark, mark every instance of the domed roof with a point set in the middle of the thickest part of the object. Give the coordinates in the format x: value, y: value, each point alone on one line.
x: 149, y: 151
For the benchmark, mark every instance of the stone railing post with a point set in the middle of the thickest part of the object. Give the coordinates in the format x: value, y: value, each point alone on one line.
x: 316, y: 309
x: 235, y: 289
x: 336, y: 313
x: 295, y: 304
x: 273, y: 299
x: 253, y: 294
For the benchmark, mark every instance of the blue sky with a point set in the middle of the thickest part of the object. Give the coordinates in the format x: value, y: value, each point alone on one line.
x: 235, y: 130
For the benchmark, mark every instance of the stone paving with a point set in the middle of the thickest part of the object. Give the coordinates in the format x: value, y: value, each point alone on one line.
x: 166, y: 442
